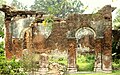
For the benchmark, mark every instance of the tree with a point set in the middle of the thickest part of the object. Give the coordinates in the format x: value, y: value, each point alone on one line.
x: 116, y: 36
x: 1, y: 19
x: 116, y: 21
x: 59, y: 8
x: 15, y: 3
x: 18, y: 5
x: 2, y: 2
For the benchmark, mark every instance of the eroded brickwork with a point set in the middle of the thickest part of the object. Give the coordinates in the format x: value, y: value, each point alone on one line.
x: 57, y: 39
x: 72, y: 55
x: 98, y: 55
x: 107, y: 51
x: 100, y: 23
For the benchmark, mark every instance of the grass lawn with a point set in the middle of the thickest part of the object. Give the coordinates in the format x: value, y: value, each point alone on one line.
x: 117, y: 72
x: 64, y: 61
x: 85, y: 66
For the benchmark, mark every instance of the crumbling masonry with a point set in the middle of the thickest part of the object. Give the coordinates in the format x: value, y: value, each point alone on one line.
x: 64, y: 36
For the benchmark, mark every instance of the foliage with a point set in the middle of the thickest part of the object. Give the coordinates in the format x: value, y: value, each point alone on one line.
x: 48, y: 20
x: 2, y: 57
x: 115, y: 50
x: 1, y: 24
x: 2, y: 2
x: 1, y: 33
x: 116, y: 21
x: 116, y: 64
x: 85, y: 58
x: 29, y: 63
x: 116, y: 42
x: 1, y: 19
x: 85, y: 62
x: 10, y: 67
x: 60, y: 60
x: 18, y: 5
x: 59, y: 8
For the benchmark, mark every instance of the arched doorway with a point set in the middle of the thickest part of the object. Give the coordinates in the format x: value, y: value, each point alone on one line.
x: 85, y: 53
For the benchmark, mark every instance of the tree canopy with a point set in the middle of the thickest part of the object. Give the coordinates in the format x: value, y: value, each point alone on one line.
x: 116, y: 21
x: 18, y: 5
x: 59, y: 8
x: 116, y: 36
x: 1, y: 18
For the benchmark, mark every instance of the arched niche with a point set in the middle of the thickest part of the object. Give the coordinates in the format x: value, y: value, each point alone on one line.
x: 84, y: 31
x: 85, y: 38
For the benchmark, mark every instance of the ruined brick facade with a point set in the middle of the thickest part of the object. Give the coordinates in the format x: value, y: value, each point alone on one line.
x: 100, y: 23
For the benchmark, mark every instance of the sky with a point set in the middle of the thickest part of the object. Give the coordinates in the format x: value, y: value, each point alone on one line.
x: 92, y: 4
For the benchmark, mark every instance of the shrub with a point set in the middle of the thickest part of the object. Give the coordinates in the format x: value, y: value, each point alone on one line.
x: 60, y: 59
x: 85, y: 62
x: 116, y: 64
x: 29, y: 64
x: 10, y: 67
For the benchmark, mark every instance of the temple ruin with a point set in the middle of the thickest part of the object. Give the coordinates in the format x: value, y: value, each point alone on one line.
x: 93, y: 31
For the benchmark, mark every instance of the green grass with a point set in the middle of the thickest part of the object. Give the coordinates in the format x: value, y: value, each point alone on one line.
x: 117, y: 72
x: 85, y: 66
x: 64, y: 61
x: 85, y: 63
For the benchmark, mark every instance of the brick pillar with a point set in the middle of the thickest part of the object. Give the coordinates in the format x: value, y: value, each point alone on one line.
x: 98, y: 56
x: 8, y: 38
x: 107, y: 52
x: 72, y: 55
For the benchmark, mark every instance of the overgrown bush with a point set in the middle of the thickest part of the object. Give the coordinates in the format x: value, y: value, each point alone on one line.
x: 116, y: 64
x: 60, y: 59
x: 10, y: 67
x: 29, y: 64
x: 2, y: 56
x: 85, y: 62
